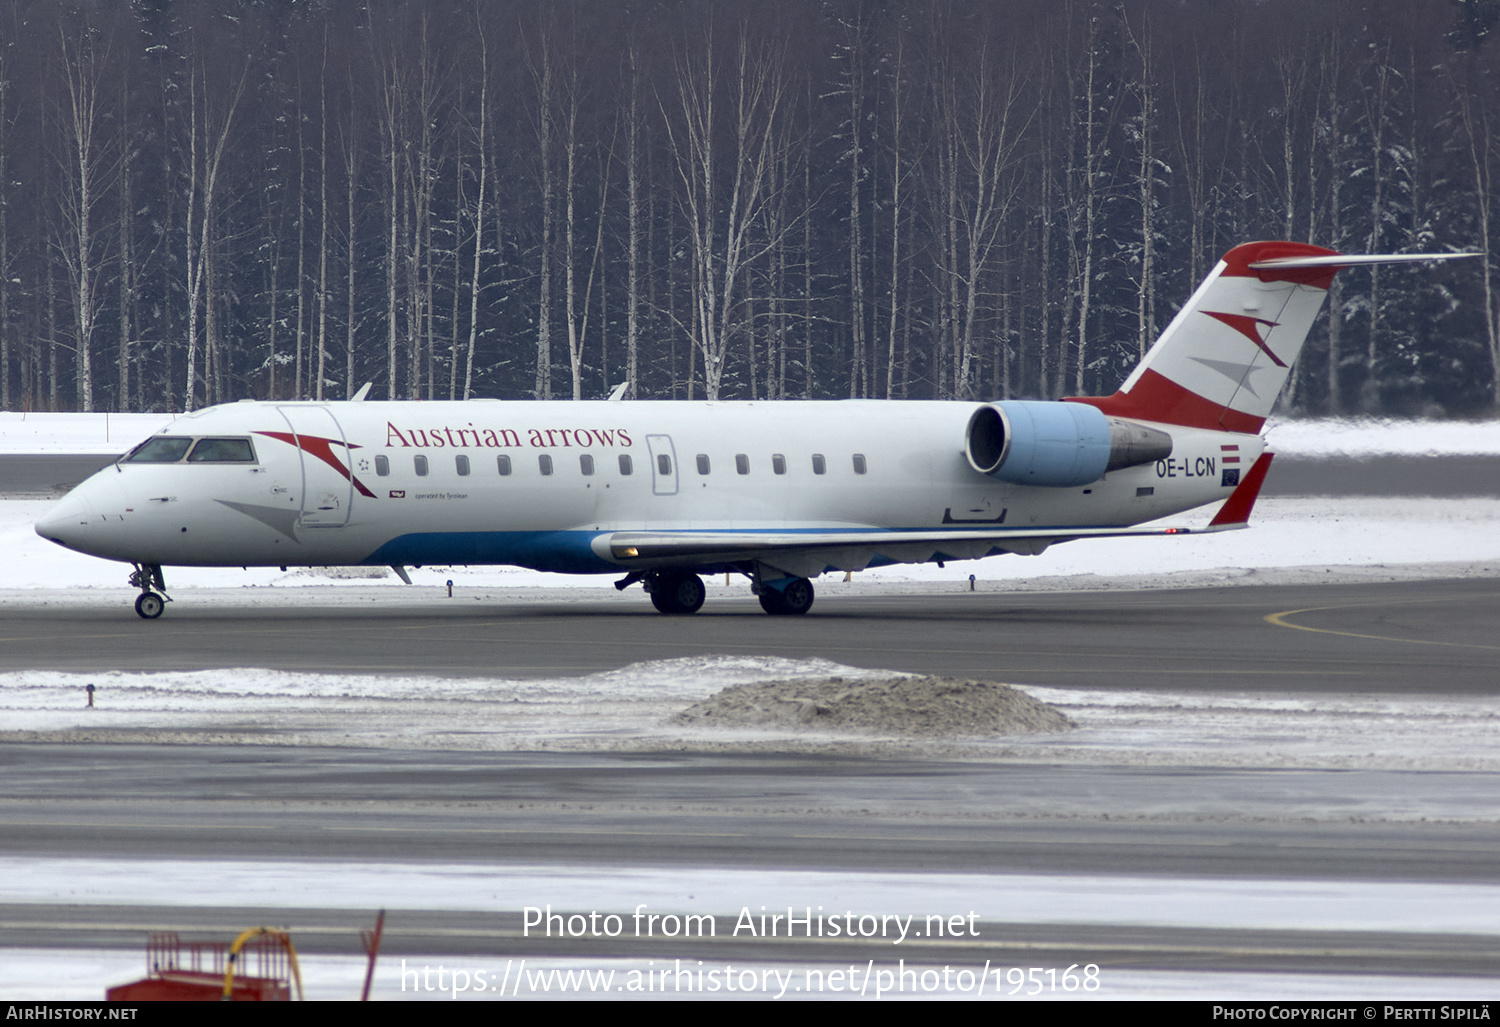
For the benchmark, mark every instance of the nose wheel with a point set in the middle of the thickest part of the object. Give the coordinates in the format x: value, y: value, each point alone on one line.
x: 147, y: 577
x: 150, y: 605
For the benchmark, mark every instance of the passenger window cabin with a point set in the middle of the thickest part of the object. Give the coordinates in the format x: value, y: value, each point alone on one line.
x: 461, y: 463
x: 741, y: 463
x: 627, y: 467
x: 383, y: 466
x: 859, y: 463
x: 502, y: 464
x: 544, y: 462
x: 586, y: 464
x: 820, y: 466
x: 702, y: 463
x: 778, y: 463
x: 420, y: 463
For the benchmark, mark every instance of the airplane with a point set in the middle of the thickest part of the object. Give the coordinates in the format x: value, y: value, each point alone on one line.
x: 664, y: 492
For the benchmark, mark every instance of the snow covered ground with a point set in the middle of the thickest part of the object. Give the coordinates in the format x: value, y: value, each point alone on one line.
x: 1168, y: 902
x: 76, y: 433
x: 1364, y: 437
x: 83, y: 974
x: 995, y: 898
x: 628, y: 710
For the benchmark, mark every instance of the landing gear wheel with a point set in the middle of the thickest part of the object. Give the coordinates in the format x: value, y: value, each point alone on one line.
x: 677, y: 593
x: 794, y: 600
x: 149, y: 605
x: 772, y: 603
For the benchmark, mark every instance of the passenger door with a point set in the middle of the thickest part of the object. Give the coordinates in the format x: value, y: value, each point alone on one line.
x: 327, y: 481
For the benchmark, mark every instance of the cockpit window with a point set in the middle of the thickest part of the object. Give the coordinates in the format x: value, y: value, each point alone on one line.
x: 162, y: 449
x: 222, y: 451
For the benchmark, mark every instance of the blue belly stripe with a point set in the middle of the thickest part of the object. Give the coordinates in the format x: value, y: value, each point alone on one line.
x: 565, y: 552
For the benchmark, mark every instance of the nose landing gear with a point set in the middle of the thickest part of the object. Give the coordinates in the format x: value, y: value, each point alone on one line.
x: 147, y: 577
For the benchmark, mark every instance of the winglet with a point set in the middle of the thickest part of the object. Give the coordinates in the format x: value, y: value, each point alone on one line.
x: 1235, y: 513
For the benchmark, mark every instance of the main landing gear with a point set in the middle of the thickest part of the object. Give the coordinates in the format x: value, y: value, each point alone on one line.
x: 676, y: 591
x: 147, y: 577
x: 792, y: 599
x: 682, y: 592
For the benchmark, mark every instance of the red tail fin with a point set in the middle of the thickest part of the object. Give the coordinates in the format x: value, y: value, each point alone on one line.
x: 1222, y: 361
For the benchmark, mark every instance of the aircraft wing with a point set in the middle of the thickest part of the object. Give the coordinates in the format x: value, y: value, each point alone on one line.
x: 807, y: 553
x: 811, y: 552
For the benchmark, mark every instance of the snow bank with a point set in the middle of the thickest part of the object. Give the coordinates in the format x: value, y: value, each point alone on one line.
x: 76, y: 433
x: 1365, y: 437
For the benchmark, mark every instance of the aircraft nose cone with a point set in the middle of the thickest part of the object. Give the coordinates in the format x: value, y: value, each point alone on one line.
x: 67, y: 523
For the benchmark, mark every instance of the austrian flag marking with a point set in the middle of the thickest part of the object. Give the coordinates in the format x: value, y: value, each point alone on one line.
x: 1230, y: 476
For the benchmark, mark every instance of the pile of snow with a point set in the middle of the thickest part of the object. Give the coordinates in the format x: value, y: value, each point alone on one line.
x: 921, y: 707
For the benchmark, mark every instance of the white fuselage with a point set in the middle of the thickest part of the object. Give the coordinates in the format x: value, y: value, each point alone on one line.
x: 693, y: 466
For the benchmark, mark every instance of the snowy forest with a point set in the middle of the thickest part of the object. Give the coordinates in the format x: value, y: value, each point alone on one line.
x: 209, y: 200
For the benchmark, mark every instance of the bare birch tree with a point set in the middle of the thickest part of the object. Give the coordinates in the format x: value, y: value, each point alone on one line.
x: 83, y: 185
x: 214, y: 129
x: 484, y: 120
x: 722, y: 193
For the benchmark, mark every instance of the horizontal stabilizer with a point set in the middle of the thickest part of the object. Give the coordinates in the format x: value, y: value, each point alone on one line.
x: 1339, y: 260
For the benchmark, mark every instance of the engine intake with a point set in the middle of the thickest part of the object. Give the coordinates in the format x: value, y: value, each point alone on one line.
x: 1057, y: 445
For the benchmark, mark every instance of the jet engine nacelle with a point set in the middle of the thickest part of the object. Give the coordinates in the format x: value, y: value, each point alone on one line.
x: 1057, y: 444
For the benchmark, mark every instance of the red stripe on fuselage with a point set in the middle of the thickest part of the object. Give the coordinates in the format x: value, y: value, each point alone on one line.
x: 322, y: 449
x: 1158, y: 398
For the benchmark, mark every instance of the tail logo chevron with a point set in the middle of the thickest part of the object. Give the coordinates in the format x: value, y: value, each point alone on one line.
x: 1248, y: 327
